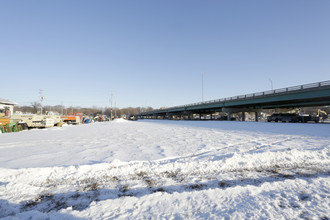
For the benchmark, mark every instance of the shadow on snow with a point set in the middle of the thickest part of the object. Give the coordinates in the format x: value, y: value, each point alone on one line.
x: 80, y: 201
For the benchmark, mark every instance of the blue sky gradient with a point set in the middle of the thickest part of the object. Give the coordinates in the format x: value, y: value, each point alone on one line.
x: 153, y: 53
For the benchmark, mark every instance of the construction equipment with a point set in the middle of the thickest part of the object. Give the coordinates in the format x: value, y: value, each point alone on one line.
x: 34, y: 121
x: 71, y: 119
x: 292, y: 117
x: 132, y: 118
x: 56, y: 118
x: 11, y: 127
x: 100, y: 118
x: 86, y: 119
x: 322, y: 114
x: 4, y: 121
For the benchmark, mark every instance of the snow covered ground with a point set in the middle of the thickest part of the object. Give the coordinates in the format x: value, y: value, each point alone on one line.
x: 167, y: 170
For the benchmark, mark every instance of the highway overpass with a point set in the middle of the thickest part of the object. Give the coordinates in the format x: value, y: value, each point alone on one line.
x: 313, y: 94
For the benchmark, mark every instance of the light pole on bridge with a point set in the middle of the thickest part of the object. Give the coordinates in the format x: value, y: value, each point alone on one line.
x: 203, y: 87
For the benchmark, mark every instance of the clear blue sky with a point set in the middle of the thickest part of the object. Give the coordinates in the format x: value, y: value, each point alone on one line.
x: 153, y: 53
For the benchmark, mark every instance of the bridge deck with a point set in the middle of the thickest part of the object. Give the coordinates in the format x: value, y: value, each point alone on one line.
x: 314, y: 94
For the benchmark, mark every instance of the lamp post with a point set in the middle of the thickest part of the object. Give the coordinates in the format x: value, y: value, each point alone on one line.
x: 203, y: 87
x: 271, y: 84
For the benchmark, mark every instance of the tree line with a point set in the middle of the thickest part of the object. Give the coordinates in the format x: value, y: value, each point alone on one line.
x: 35, y: 108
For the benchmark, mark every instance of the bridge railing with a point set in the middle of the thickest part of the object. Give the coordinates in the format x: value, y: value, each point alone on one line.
x: 258, y: 94
x: 325, y: 83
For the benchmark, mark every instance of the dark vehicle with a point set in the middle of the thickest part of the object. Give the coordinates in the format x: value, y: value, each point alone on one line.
x: 291, y: 117
x: 307, y: 118
x: 284, y: 117
x: 224, y: 118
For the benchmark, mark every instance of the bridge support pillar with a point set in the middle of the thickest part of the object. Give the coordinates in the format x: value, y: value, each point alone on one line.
x: 169, y: 116
x: 256, y: 115
x: 243, y: 116
x: 228, y: 116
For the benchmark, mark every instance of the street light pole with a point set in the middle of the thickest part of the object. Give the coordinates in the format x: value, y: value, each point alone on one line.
x: 271, y: 84
x: 203, y: 87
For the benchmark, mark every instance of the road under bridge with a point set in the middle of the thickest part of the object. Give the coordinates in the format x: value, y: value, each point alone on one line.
x: 313, y: 94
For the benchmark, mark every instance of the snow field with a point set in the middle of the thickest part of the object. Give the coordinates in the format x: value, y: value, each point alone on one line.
x: 164, y: 169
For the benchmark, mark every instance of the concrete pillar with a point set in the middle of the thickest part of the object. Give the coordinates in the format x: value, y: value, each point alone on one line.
x: 229, y: 115
x: 243, y: 116
x: 256, y: 114
x: 200, y: 116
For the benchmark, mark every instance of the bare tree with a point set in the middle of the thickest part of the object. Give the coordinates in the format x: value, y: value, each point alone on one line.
x: 35, y: 107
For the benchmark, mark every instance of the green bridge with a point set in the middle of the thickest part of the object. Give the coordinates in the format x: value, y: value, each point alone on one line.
x: 313, y: 94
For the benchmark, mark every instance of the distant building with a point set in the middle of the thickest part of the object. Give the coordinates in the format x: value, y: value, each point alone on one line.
x: 6, y: 107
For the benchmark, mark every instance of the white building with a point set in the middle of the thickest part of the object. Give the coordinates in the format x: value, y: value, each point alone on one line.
x: 7, y: 107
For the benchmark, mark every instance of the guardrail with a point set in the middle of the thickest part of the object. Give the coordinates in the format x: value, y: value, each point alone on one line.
x: 254, y: 95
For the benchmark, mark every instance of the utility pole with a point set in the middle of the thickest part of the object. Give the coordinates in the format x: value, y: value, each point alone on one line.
x: 115, y: 108
x: 41, y: 99
x: 111, y: 106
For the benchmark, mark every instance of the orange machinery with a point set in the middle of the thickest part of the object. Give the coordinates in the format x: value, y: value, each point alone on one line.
x: 71, y: 119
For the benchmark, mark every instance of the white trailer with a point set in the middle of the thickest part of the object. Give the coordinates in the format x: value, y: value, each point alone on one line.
x: 34, y: 121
